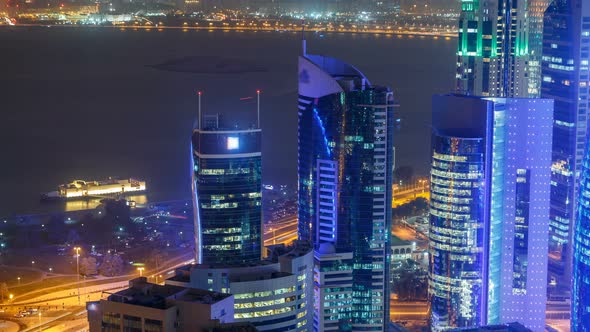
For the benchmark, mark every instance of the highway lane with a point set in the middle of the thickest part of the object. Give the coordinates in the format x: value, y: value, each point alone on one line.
x: 405, y: 311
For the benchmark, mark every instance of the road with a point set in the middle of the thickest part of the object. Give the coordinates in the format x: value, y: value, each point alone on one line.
x: 281, y: 231
x: 59, y: 307
x: 400, y: 310
x: 406, y: 195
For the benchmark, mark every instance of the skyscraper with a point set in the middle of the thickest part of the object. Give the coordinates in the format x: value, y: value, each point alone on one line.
x: 565, y: 78
x: 227, y: 193
x: 345, y: 192
x: 489, y: 211
x: 580, y: 319
x: 499, y: 48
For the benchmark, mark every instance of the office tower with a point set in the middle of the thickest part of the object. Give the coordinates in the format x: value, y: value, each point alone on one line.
x: 500, y: 48
x: 565, y: 78
x: 150, y: 307
x: 272, y: 295
x: 489, y: 209
x: 227, y: 193
x: 345, y: 181
x: 580, y: 318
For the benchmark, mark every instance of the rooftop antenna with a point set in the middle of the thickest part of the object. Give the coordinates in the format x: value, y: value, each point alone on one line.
x: 258, y: 107
x: 199, y: 93
x: 303, y: 41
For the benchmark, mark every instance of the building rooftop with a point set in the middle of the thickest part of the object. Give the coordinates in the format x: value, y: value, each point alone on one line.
x: 143, y: 293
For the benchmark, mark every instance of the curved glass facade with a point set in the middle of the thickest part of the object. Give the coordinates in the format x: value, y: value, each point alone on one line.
x: 345, y: 182
x: 581, y: 275
x: 489, y: 223
x: 456, y: 232
x: 227, y: 196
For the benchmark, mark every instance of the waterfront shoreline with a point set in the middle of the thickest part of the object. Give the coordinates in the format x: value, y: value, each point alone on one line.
x: 398, y: 33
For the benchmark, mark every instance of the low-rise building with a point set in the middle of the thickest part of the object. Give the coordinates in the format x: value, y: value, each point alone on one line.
x: 401, y: 249
x: 274, y: 294
x: 150, y: 307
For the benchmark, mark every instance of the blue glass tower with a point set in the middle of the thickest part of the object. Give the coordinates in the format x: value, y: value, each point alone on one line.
x: 489, y: 208
x: 565, y: 79
x: 580, y: 321
x: 227, y: 194
x: 345, y: 192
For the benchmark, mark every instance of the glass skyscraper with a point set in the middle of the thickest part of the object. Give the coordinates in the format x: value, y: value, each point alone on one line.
x: 580, y: 320
x: 490, y: 180
x: 499, y: 48
x: 227, y: 194
x: 345, y: 192
x: 566, y: 74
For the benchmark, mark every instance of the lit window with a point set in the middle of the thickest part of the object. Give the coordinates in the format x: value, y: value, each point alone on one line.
x: 233, y: 143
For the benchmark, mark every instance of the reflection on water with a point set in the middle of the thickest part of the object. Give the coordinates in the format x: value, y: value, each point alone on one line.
x: 93, y: 203
x: 139, y: 199
x: 81, y: 205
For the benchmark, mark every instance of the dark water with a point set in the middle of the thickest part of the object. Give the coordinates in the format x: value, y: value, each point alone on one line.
x: 88, y: 103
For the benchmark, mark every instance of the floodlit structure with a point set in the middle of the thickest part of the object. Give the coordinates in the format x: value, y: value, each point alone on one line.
x: 490, y: 182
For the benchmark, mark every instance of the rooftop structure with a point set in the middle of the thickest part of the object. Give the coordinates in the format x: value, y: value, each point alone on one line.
x: 150, y: 307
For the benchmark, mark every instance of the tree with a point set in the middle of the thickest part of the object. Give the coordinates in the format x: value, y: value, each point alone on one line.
x: 112, y: 265
x: 88, y: 266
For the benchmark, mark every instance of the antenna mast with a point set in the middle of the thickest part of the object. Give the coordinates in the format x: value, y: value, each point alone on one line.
x: 303, y: 41
x: 199, y: 93
x: 258, y: 108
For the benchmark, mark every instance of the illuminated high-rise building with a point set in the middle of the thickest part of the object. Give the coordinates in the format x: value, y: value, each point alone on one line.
x: 490, y: 180
x: 499, y: 50
x: 580, y: 318
x: 227, y: 193
x: 345, y: 192
x: 566, y: 73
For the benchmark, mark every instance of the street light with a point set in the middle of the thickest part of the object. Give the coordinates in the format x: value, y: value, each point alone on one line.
x: 18, y: 278
x: 11, y: 296
x: 140, y: 269
x: 422, y: 183
x: 77, y: 249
